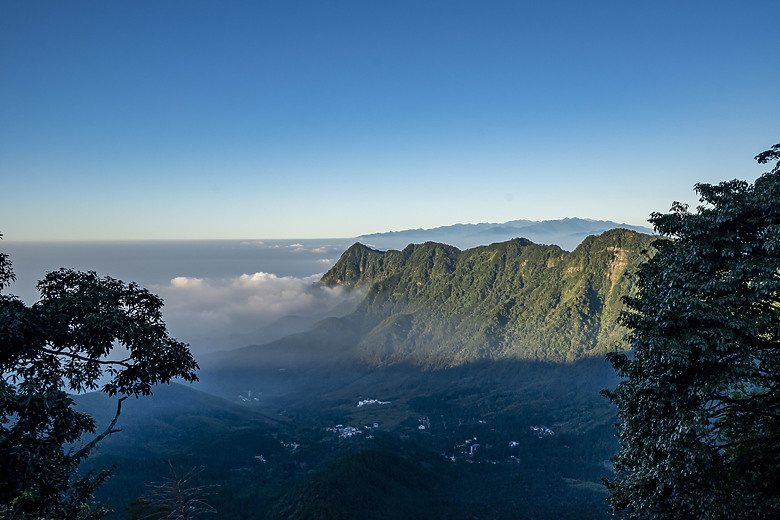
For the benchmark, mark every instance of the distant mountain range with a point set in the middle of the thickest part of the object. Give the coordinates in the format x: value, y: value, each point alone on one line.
x: 566, y: 233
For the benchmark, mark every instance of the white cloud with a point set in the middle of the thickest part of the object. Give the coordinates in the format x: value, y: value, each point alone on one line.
x: 255, y: 280
x: 184, y: 282
x: 233, y: 312
x: 300, y: 248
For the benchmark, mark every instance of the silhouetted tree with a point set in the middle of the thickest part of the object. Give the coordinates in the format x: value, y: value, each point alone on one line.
x: 86, y: 331
x: 699, y: 406
x: 767, y: 156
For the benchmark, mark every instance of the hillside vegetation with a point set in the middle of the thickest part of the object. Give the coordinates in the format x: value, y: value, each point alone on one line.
x: 436, y: 306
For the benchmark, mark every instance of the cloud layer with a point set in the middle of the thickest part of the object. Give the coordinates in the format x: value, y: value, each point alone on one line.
x: 254, y: 308
x: 208, y: 302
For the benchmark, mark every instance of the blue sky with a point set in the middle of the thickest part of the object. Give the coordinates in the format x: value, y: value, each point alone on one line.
x: 191, y: 119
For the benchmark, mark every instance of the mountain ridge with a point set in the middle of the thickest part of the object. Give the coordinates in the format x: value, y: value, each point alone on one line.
x: 436, y: 305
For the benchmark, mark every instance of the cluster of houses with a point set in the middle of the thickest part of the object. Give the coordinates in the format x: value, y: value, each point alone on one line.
x: 542, y: 431
x: 368, y: 402
x: 345, y: 432
x: 468, y: 448
x: 248, y: 397
x: 293, y: 446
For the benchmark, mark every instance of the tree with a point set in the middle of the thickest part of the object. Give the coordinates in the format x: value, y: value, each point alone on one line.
x: 179, y: 497
x: 699, y: 405
x: 86, y: 333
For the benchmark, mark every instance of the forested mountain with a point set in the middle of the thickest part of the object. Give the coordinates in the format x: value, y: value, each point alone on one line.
x: 436, y: 306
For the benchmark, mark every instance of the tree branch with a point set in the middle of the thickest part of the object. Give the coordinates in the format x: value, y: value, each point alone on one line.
x: 84, y: 452
x: 120, y: 362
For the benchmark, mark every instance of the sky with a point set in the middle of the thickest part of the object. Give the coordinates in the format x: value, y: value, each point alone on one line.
x: 194, y: 119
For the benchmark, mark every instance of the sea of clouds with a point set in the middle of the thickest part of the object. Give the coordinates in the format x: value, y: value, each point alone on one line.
x: 248, y: 309
x: 218, y: 294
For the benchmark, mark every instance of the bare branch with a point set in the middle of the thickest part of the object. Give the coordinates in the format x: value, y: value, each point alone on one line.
x: 177, y: 498
x: 84, y: 452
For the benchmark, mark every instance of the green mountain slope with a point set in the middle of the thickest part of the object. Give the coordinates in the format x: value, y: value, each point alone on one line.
x: 436, y: 306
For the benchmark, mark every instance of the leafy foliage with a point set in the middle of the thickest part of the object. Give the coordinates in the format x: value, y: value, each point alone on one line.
x: 6, y: 271
x: 437, y: 306
x: 64, y: 343
x: 767, y: 156
x: 700, y: 403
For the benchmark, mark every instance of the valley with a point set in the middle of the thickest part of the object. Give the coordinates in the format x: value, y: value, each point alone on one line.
x: 464, y: 385
x: 489, y: 442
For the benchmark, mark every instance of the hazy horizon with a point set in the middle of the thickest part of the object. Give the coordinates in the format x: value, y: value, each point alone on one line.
x: 250, y: 240
x: 219, y: 293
